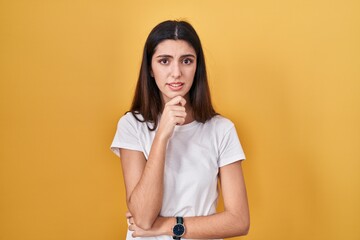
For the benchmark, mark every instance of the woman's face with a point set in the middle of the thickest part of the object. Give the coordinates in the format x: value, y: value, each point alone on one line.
x: 173, y: 66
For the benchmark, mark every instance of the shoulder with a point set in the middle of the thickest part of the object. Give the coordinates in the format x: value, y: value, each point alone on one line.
x: 220, y: 122
x: 132, y: 117
x: 133, y: 120
x: 128, y: 118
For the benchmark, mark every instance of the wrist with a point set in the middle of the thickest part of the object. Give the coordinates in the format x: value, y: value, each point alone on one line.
x: 161, y: 137
x: 179, y: 228
x: 166, y: 224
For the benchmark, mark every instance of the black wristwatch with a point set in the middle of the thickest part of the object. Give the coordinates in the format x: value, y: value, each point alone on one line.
x: 179, y: 228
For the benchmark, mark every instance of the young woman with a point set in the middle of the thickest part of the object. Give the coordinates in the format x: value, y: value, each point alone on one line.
x: 174, y: 147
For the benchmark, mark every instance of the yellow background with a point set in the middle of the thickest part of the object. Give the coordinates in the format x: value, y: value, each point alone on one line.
x: 286, y: 73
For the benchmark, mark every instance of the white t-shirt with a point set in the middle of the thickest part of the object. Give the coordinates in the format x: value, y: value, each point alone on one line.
x: 194, y: 155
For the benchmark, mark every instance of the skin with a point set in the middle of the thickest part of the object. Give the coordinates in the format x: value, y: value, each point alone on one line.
x: 173, y: 62
x: 173, y: 67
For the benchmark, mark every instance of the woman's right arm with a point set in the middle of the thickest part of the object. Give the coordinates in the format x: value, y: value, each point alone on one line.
x: 144, y: 178
x: 144, y: 182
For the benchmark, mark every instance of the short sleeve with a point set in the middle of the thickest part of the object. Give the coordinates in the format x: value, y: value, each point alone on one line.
x: 126, y: 135
x: 230, y: 149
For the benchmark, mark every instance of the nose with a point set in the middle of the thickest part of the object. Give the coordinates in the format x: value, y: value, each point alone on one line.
x: 176, y: 71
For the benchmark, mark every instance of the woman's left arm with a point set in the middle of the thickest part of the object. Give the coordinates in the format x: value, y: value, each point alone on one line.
x: 233, y: 221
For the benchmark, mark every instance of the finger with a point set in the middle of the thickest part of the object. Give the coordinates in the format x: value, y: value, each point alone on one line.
x: 178, y: 100
x: 182, y: 102
x: 176, y: 117
x: 128, y: 214
x: 180, y: 121
x: 176, y: 113
x: 176, y: 108
x: 131, y: 227
x: 180, y: 118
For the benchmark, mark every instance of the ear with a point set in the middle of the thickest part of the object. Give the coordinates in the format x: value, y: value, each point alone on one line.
x: 151, y: 73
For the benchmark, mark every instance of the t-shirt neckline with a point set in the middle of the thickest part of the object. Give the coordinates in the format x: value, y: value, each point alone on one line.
x: 186, y: 127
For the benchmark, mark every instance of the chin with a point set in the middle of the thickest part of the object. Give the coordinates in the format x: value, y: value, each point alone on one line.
x: 172, y: 95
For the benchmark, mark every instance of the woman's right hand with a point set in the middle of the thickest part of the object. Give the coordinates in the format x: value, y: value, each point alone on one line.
x: 174, y: 113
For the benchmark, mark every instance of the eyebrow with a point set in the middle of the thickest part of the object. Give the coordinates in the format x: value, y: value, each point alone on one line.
x: 169, y: 56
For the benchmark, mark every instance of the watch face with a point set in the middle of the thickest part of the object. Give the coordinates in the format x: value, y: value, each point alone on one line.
x: 178, y: 229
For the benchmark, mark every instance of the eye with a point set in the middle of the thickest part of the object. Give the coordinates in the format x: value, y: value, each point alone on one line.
x: 164, y: 61
x: 188, y: 61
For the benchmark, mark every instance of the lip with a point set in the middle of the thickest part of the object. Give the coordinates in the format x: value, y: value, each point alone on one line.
x: 175, y: 86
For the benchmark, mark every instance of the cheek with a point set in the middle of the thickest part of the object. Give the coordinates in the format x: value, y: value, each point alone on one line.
x: 159, y: 73
x: 158, y: 84
x: 191, y: 74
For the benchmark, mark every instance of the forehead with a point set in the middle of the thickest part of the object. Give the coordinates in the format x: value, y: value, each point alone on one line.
x: 174, y: 47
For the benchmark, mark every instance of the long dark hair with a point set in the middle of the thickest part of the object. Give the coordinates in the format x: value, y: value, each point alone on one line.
x: 147, y: 99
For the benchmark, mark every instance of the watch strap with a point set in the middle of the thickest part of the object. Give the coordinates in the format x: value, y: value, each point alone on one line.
x: 179, y: 220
